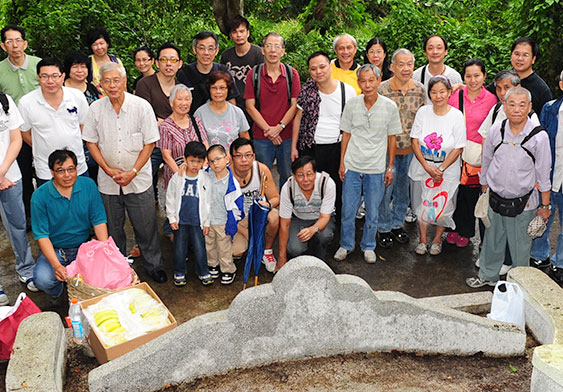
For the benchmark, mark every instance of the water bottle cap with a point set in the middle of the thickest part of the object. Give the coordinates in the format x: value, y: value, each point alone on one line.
x: 74, y: 300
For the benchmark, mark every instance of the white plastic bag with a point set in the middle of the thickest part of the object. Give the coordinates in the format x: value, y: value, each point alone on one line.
x: 438, y: 203
x: 508, y: 304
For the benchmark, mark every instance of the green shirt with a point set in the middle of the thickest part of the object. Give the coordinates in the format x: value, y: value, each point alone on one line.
x: 16, y: 82
x: 368, y: 129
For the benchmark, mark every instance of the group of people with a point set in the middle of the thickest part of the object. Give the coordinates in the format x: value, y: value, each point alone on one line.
x: 343, y: 143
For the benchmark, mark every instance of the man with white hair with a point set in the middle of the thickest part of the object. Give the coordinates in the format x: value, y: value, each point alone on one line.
x: 121, y: 132
x: 409, y: 95
x: 516, y: 159
x: 345, y: 66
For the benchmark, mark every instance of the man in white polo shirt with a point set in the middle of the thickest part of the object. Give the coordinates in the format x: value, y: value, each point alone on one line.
x: 53, y: 118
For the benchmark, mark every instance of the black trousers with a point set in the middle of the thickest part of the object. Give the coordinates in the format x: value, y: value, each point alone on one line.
x: 464, y: 214
x: 327, y: 158
x: 25, y: 159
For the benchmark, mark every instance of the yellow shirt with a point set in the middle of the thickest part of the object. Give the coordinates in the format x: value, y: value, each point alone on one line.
x: 348, y: 77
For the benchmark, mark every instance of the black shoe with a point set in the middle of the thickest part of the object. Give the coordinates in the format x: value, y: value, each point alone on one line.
x: 400, y: 235
x: 539, y: 263
x: 385, y: 240
x: 557, y: 274
x: 228, y: 278
x: 159, y: 276
x: 214, y: 272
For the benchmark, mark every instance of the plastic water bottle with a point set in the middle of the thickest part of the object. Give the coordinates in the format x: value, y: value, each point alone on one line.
x: 74, y: 314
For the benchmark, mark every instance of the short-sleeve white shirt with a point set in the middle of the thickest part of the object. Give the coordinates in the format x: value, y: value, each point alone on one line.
x: 53, y: 129
x: 453, y: 76
x: 9, y: 122
x: 307, y: 209
x: 120, y: 138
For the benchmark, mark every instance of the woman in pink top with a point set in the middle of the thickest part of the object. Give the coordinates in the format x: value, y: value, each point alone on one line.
x: 475, y: 102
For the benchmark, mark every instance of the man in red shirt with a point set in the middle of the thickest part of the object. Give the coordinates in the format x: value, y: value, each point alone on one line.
x: 272, y: 105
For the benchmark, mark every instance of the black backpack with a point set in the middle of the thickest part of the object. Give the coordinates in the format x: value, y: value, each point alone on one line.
x: 4, y: 102
x: 257, y: 70
x: 534, y: 132
x: 291, y: 185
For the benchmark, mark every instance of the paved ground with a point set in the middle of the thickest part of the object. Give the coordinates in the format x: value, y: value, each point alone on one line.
x: 398, y: 269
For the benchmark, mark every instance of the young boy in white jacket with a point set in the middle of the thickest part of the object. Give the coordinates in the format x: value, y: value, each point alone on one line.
x: 186, y: 214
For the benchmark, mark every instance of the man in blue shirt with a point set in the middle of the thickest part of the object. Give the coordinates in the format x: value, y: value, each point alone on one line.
x: 63, y: 212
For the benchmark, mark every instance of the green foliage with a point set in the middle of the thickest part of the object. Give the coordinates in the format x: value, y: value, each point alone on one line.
x: 542, y: 21
x: 334, y: 16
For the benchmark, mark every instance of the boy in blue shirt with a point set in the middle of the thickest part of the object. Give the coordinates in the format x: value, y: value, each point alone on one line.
x: 184, y: 211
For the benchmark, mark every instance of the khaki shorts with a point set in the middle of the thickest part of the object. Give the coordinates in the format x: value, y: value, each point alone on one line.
x: 240, y: 241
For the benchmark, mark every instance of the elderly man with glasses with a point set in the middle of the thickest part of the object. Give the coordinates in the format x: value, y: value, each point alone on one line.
x: 53, y: 118
x: 121, y: 132
x: 205, y: 47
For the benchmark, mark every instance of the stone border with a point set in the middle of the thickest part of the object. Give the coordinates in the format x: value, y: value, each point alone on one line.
x: 307, y: 311
x: 544, y: 318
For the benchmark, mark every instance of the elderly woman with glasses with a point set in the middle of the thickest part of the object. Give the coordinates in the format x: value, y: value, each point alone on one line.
x: 223, y: 121
x: 177, y: 130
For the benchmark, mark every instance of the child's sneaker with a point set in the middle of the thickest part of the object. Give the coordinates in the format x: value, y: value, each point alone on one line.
x: 3, y: 298
x: 214, y: 272
x: 228, y: 278
x: 269, y: 260
x: 180, y: 279
x: 206, y: 280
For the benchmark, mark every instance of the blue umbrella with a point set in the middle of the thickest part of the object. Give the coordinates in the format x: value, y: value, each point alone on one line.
x: 257, y: 221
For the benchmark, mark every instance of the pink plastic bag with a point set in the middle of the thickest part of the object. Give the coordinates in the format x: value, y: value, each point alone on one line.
x: 101, y: 264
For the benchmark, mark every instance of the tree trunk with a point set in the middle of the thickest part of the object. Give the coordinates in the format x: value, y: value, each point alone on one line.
x: 224, y: 11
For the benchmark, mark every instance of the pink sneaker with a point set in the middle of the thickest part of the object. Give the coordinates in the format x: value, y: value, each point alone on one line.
x: 451, y: 238
x: 462, y: 242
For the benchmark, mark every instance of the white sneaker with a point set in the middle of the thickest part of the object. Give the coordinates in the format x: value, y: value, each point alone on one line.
x: 29, y: 283
x: 477, y: 263
x: 269, y: 260
x: 3, y: 298
x: 341, y: 254
x: 504, y: 269
x: 369, y: 256
x: 410, y: 217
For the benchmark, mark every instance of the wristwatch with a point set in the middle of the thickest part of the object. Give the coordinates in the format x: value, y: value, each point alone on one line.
x: 441, y: 169
x: 135, y: 171
x: 316, y: 228
x: 546, y: 206
x: 282, y: 125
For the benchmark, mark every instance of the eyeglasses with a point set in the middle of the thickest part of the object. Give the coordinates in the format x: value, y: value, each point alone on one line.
x: 143, y: 60
x: 245, y: 156
x: 16, y: 41
x: 109, y: 82
x: 53, y: 77
x: 69, y: 170
x: 309, y: 175
x: 375, y: 51
x: 206, y: 48
x: 518, y: 54
x: 273, y: 46
x: 218, y: 88
x: 217, y: 160
x: 172, y: 60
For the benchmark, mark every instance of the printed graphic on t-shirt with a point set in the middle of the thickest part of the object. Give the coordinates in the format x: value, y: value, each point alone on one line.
x: 238, y: 71
x: 433, y: 150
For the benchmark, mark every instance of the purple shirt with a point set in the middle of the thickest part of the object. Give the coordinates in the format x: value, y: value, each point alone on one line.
x: 510, y: 172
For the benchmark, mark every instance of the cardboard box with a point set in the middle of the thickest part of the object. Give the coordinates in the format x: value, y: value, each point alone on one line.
x: 104, y: 354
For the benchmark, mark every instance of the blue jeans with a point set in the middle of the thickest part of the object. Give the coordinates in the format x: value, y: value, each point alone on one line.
x: 183, y: 237
x: 398, y: 193
x: 266, y: 151
x: 13, y: 218
x: 540, y: 246
x: 44, y: 275
x: 373, y: 188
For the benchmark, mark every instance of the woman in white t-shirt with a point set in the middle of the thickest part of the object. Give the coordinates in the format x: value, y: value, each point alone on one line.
x: 438, y: 137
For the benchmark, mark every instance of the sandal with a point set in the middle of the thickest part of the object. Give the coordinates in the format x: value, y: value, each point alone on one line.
x: 420, y: 249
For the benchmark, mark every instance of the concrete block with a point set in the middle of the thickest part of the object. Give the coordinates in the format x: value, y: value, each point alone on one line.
x: 544, y: 303
x: 307, y: 311
x: 39, y: 355
x: 547, y: 375
x: 478, y: 302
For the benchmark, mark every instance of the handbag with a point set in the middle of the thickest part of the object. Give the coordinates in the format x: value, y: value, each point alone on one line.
x: 472, y: 153
x: 11, y: 318
x: 470, y: 174
x: 437, y: 205
x: 508, y: 207
x: 482, y: 208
